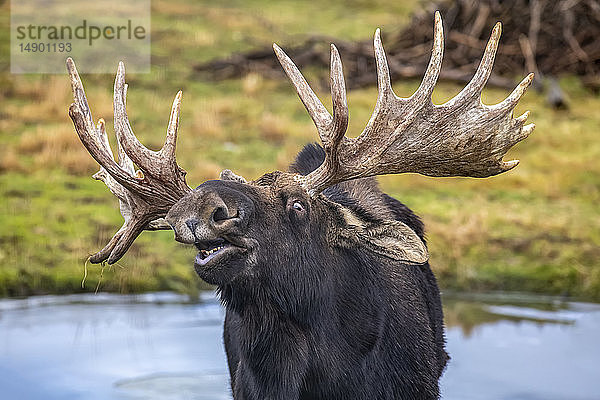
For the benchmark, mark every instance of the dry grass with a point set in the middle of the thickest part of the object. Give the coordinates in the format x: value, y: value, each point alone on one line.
x: 273, y: 128
x: 55, y: 146
x: 207, y: 119
x: 10, y: 161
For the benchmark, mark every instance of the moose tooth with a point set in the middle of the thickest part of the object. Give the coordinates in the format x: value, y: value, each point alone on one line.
x: 207, y: 253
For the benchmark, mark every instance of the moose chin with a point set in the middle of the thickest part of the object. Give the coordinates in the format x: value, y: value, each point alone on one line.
x: 325, y: 279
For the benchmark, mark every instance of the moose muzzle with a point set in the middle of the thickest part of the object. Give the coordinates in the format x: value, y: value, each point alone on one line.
x: 212, y: 212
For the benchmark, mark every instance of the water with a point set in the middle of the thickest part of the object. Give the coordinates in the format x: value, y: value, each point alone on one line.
x: 522, y: 349
x: 157, y: 346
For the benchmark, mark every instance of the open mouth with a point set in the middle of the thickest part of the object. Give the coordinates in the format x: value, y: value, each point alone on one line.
x: 212, y: 249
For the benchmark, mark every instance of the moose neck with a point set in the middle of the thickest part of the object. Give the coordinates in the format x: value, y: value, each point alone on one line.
x: 304, y: 292
x: 295, y: 293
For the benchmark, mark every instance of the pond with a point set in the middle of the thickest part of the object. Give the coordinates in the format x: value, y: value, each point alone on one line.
x: 158, y: 346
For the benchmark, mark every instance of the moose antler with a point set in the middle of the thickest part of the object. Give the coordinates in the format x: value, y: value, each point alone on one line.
x: 462, y: 137
x: 144, y: 196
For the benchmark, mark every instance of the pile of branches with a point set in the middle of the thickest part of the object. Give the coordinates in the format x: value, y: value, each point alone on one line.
x: 547, y: 37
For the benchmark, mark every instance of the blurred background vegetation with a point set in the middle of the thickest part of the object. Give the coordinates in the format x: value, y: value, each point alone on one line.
x: 536, y: 228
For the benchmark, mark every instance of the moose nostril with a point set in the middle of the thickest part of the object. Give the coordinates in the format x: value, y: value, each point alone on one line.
x: 219, y: 214
x: 192, y: 224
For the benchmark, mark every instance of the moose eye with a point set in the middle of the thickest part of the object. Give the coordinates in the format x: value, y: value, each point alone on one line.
x: 297, y: 209
x: 298, y: 206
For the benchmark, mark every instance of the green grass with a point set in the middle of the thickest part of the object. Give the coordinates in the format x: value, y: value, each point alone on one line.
x: 536, y: 228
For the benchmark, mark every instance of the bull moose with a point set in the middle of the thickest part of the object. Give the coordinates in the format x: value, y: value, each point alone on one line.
x: 325, y: 279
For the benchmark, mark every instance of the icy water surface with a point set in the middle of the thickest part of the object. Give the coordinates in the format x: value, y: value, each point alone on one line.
x: 157, y: 346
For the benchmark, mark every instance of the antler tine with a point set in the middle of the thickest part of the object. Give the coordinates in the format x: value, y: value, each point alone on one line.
x: 136, y: 151
x: 168, y: 149
x: 425, y: 90
x: 117, y: 189
x: 80, y: 113
x: 477, y: 83
x: 127, y: 235
x: 338, y: 126
x: 104, y: 254
x: 384, y: 84
x: 511, y: 101
x: 101, y: 129
x: 124, y: 160
x: 313, y: 105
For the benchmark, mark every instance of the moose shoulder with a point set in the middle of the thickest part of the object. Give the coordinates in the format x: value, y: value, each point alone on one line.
x: 325, y: 279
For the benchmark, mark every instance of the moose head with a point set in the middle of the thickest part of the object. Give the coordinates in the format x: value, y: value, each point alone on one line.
x: 461, y: 137
x: 302, y: 239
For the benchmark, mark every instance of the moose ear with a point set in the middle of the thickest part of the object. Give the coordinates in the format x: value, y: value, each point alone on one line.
x: 389, y: 238
x: 229, y: 175
x: 394, y: 239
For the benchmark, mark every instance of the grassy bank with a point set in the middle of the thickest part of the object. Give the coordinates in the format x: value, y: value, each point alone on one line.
x: 536, y: 228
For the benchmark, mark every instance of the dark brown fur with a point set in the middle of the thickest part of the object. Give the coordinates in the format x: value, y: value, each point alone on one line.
x: 315, y: 307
